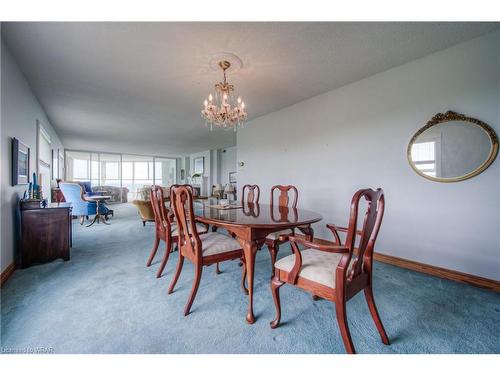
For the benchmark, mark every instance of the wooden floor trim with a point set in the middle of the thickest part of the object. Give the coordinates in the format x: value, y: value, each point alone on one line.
x: 6, y: 273
x: 428, y: 269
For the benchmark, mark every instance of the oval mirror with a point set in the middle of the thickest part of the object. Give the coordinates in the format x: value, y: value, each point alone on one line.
x: 452, y: 147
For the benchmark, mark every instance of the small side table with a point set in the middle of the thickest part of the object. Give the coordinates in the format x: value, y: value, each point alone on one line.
x: 98, y: 216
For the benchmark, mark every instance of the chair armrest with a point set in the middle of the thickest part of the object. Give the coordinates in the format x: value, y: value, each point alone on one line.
x: 336, y: 229
x: 326, y: 248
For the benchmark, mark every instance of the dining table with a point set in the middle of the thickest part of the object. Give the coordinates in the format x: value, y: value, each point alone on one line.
x: 251, y: 223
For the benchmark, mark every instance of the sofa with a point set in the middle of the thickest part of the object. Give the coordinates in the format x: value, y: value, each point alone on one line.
x: 118, y: 194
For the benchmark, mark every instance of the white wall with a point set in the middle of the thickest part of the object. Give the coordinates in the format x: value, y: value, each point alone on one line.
x: 207, y: 174
x: 20, y: 112
x: 356, y: 136
x: 227, y: 163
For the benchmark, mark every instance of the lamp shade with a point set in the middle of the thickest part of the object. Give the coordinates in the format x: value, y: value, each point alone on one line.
x: 218, y: 188
x: 229, y: 189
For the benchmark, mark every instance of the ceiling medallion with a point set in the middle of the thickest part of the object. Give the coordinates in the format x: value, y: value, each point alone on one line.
x: 223, y: 111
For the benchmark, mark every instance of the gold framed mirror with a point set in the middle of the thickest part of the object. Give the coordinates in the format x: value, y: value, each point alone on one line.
x: 452, y: 147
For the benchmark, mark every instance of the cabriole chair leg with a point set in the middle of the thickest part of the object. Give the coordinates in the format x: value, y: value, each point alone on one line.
x: 273, y: 251
x: 153, y: 251
x: 275, y: 286
x: 168, y: 250
x: 178, y: 270
x: 374, y: 312
x: 343, y: 326
x: 194, y: 289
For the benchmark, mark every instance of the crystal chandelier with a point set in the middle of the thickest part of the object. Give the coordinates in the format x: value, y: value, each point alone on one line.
x: 222, y: 111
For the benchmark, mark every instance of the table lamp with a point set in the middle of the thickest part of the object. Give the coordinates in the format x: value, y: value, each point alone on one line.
x: 230, y: 190
x: 218, y: 190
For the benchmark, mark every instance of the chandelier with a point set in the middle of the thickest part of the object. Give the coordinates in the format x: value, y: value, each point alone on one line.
x: 223, y: 111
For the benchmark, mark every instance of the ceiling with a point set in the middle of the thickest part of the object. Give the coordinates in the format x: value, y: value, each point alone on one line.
x: 139, y: 87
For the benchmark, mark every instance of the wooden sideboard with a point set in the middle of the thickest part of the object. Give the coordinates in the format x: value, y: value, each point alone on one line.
x: 45, y: 234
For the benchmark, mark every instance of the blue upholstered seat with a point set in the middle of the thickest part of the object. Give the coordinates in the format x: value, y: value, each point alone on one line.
x: 73, y: 192
x: 87, y: 188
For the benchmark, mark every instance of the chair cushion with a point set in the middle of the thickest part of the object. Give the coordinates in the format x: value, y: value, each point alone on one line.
x: 317, y: 266
x: 275, y: 235
x: 199, y: 227
x: 216, y: 243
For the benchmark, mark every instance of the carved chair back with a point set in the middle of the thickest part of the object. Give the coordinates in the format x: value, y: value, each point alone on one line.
x: 253, y: 193
x: 190, y: 187
x: 368, y: 233
x: 284, y: 195
x: 285, y: 191
x: 161, y: 213
x: 181, y: 198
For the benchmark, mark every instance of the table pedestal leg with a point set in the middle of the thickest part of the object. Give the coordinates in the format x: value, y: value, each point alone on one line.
x: 98, y: 217
x: 308, y: 232
x: 93, y: 221
x: 104, y: 219
x: 250, y: 249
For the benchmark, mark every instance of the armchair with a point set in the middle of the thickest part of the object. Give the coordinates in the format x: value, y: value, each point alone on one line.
x: 74, y: 192
x: 87, y: 188
x: 337, y: 272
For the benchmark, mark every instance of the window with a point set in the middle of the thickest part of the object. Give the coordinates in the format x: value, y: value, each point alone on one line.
x: 112, y: 170
x: 127, y: 170
x: 141, y: 171
x: 423, y: 155
x: 165, y: 171
x: 80, y: 169
x: 130, y: 171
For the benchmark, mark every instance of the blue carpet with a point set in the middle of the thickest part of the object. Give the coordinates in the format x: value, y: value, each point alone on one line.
x: 105, y: 300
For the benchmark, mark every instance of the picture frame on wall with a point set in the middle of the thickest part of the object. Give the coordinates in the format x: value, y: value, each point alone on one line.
x: 199, y: 165
x: 232, y: 177
x: 20, y: 163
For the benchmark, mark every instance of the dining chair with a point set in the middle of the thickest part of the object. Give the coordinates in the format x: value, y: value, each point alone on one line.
x: 337, y: 272
x: 201, y: 249
x: 165, y: 227
x: 273, y: 239
x: 214, y: 228
x: 253, y: 194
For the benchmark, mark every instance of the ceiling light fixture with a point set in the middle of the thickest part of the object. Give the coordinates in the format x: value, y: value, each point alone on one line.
x: 222, y: 111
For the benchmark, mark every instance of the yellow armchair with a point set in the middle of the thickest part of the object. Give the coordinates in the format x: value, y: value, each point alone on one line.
x: 145, y: 210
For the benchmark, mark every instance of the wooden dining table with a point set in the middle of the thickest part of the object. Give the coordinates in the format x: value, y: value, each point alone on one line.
x: 251, y: 223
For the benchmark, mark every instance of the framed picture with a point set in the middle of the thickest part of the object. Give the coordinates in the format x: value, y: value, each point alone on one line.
x: 183, y: 174
x: 20, y: 163
x: 199, y: 165
x: 232, y: 177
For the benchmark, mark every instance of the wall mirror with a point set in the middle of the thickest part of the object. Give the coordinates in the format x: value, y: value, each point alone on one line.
x: 452, y: 147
